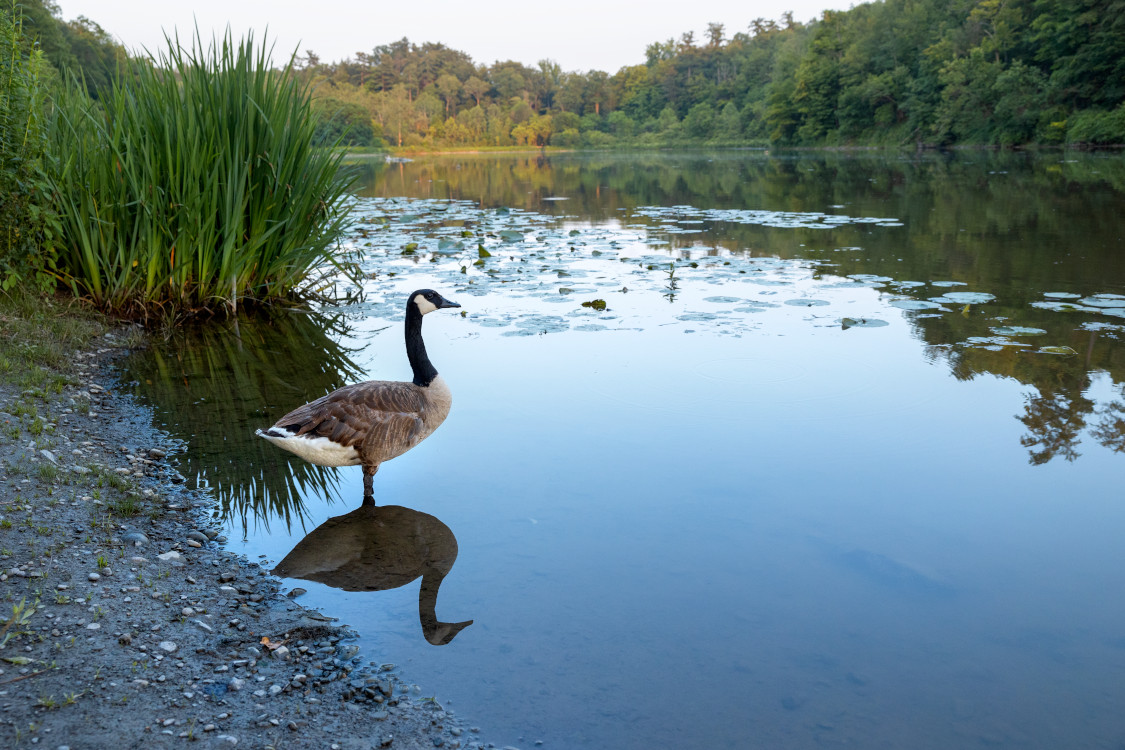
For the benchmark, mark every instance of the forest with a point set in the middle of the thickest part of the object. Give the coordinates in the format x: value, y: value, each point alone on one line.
x: 897, y: 73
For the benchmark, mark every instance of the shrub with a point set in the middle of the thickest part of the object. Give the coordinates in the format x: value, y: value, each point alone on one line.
x: 195, y: 185
x: 1097, y: 127
x: 27, y: 224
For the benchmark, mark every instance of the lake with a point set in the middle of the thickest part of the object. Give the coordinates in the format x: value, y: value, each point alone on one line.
x: 746, y: 450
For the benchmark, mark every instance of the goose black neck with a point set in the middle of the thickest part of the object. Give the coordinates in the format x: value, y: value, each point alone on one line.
x: 424, y: 372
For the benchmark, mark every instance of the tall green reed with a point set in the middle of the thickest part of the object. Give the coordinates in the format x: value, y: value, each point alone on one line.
x: 194, y: 185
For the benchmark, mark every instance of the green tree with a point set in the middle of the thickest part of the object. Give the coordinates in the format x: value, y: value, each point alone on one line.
x: 476, y: 88
x: 449, y: 88
x: 700, y: 121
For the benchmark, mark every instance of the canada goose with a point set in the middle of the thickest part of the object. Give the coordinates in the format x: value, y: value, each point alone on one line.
x: 372, y: 422
x: 377, y: 548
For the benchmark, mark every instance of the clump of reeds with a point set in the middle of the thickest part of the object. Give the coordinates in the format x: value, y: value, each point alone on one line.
x: 195, y: 185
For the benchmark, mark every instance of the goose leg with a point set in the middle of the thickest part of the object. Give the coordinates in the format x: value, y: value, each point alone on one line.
x: 368, y: 484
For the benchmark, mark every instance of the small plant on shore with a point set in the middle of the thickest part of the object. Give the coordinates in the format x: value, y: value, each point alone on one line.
x: 47, y: 702
x: 24, y: 408
x: 21, y: 617
x: 118, y: 482
x: 126, y: 506
x: 48, y: 472
x: 102, y: 562
x: 195, y: 184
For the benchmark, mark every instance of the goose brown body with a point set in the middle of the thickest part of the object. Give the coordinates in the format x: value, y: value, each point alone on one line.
x: 377, y: 420
x: 369, y: 423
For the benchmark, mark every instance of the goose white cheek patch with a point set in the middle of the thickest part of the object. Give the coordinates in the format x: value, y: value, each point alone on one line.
x: 424, y: 305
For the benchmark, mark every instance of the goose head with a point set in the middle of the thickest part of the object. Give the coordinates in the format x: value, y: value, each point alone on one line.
x: 427, y: 300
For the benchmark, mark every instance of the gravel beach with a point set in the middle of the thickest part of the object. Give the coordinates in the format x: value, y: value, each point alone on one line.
x: 125, y: 624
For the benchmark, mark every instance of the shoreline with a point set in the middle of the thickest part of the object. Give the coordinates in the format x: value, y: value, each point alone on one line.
x: 127, y: 622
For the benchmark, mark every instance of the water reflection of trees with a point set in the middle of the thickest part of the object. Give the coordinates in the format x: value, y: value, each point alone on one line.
x: 1110, y: 430
x: 212, y: 385
x: 967, y: 217
x: 1004, y: 223
x: 1059, y: 412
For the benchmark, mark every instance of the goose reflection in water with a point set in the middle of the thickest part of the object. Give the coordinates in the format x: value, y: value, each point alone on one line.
x: 375, y: 548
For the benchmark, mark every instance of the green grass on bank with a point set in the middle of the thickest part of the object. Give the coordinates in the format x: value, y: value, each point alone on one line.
x: 40, y: 335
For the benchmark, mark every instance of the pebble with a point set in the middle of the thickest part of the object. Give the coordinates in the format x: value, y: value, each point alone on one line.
x: 172, y: 556
x: 135, y: 538
x: 94, y: 577
x: 197, y: 536
x: 296, y: 592
x: 167, y: 646
x: 236, y: 683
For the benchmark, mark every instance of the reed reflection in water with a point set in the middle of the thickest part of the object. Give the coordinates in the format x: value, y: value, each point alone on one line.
x: 206, y: 384
x: 375, y: 548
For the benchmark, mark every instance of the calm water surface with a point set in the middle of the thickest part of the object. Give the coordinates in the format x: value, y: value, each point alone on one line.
x: 839, y: 464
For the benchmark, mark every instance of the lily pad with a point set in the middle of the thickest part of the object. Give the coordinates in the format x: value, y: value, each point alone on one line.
x: 847, y: 323
x: 914, y: 304
x: 1064, y: 351
x: 1103, y: 300
x: 1064, y: 307
x: 597, y: 304
x: 807, y: 302
x: 965, y: 298
x: 992, y: 343
x: 948, y: 283
x: 1018, y: 331
x: 1061, y: 295
x: 723, y: 300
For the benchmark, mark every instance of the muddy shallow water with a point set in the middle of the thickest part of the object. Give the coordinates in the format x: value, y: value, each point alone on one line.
x: 837, y: 462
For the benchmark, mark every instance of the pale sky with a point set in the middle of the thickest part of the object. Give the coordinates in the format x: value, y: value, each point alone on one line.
x: 577, y: 34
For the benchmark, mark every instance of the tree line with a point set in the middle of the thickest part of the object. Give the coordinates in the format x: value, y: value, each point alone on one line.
x: 912, y: 73
x: 897, y: 72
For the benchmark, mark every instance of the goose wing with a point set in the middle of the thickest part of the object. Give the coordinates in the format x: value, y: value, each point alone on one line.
x: 390, y: 412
